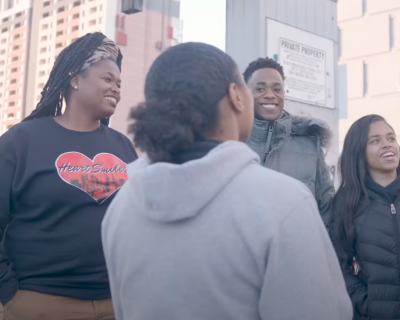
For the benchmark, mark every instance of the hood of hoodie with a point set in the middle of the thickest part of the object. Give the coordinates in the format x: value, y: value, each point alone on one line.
x: 288, y: 124
x: 168, y: 192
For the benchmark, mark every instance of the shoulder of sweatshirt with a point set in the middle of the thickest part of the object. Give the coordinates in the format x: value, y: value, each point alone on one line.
x: 281, y: 195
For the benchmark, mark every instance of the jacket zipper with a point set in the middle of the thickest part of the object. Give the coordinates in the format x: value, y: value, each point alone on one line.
x: 269, y: 138
x: 396, y: 233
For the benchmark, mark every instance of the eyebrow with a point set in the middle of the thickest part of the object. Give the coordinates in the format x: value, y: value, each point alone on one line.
x: 274, y: 83
x: 378, y: 135
x: 113, y: 75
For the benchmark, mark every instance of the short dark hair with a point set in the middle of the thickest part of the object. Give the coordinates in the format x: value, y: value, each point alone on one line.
x: 262, y: 63
x: 67, y: 65
x: 182, y: 91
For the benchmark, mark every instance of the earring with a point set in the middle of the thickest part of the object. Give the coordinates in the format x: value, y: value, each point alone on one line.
x: 76, y: 87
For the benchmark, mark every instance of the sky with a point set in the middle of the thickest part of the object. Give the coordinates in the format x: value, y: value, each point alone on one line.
x: 204, y: 21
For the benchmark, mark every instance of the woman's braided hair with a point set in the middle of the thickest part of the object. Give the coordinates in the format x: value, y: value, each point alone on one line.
x: 67, y: 65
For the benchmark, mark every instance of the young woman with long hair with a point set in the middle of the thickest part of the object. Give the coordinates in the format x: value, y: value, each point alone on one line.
x: 59, y: 172
x: 365, y: 229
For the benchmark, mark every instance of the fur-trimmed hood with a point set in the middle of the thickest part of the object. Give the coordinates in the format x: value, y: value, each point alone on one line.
x: 305, y: 126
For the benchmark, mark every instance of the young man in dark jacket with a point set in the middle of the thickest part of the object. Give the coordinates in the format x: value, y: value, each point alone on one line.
x: 286, y: 143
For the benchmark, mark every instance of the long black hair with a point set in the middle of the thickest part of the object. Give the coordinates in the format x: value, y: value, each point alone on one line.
x: 183, y: 89
x: 67, y: 65
x: 352, y: 195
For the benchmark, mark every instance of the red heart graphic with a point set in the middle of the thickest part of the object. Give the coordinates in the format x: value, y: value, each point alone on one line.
x: 99, y: 178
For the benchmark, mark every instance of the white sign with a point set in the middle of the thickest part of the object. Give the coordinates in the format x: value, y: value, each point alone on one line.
x: 305, y: 71
x: 307, y: 61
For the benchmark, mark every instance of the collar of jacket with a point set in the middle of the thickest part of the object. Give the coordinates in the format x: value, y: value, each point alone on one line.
x: 281, y: 129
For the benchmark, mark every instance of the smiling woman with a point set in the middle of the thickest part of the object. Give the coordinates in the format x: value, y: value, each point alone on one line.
x: 56, y: 184
x: 366, y: 226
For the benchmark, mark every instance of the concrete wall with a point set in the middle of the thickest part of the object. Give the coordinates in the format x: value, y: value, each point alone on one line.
x: 246, y: 41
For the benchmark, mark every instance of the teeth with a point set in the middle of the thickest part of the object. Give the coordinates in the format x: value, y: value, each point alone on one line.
x: 269, y: 106
x: 388, y: 154
x: 112, y: 99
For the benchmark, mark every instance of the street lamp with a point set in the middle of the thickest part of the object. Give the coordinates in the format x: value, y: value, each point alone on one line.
x: 131, y: 6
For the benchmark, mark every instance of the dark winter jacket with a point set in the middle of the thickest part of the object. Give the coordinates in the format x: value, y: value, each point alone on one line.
x: 375, y: 290
x: 293, y: 145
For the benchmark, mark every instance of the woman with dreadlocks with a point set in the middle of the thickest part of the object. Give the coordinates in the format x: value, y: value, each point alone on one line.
x: 59, y: 172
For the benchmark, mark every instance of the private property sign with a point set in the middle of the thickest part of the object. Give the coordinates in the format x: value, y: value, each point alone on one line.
x: 305, y: 70
x: 308, y: 63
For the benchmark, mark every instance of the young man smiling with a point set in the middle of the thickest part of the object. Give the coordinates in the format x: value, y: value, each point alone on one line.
x: 289, y: 144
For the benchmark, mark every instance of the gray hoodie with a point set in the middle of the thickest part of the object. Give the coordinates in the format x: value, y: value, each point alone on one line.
x: 220, y: 238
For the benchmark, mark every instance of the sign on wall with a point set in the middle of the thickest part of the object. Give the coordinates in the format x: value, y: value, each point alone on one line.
x: 307, y: 61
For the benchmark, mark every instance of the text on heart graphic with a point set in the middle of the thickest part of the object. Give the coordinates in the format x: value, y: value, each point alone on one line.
x: 99, y: 178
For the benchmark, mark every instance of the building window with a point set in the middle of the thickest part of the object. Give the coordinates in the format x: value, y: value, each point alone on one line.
x: 2, y: 63
x: 62, y: 9
x: 12, y: 93
x: 76, y: 3
x: 75, y: 28
x: 46, y: 14
x: 101, y: 7
x: 13, y: 81
x: 45, y: 26
x: 18, y: 14
x: 93, y: 10
x: 5, y: 19
x: 17, y: 25
x: 365, y: 78
x: 40, y: 85
x: 17, y: 36
x: 43, y: 50
x: 15, y: 47
x: 14, y: 58
x: 10, y: 116
x: 42, y: 61
x: 340, y: 46
x: 13, y: 70
x: 11, y: 104
x: 391, y: 32
x: 59, y: 45
x: 364, y: 6
x: 75, y: 16
x: 4, y: 30
x: 60, y: 21
x: 2, y: 51
x: 46, y: 4
x: 59, y: 33
x: 43, y: 38
x: 3, y: 40
x: 42, y: 73
x: 92, y: 22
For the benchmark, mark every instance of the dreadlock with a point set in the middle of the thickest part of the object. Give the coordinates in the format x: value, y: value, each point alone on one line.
x: 67, y: 65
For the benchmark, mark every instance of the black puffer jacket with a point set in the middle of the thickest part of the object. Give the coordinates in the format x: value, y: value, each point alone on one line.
x: 375, y: 290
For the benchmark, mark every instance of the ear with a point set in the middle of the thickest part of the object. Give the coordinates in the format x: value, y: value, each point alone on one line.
x: 74, y: 82
x: 235, y: 98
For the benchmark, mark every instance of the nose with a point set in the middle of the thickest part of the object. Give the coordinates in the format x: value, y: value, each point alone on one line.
x: 116, y: 89
x: 269, y: 94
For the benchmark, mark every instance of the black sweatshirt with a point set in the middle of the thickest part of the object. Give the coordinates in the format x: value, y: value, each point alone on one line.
x: 55, y: 186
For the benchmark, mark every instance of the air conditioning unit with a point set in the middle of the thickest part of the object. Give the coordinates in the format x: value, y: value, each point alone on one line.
x: 131, y: 6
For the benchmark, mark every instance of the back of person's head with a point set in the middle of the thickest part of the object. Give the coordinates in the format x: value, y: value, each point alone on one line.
x: 262, y: 63
x: 352, y: 195
x: 193, y: 91
x: 73, y: 61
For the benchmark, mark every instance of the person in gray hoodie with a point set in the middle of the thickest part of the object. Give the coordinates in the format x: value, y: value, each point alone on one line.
x: 201, y: 230
x: 288, y: 143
